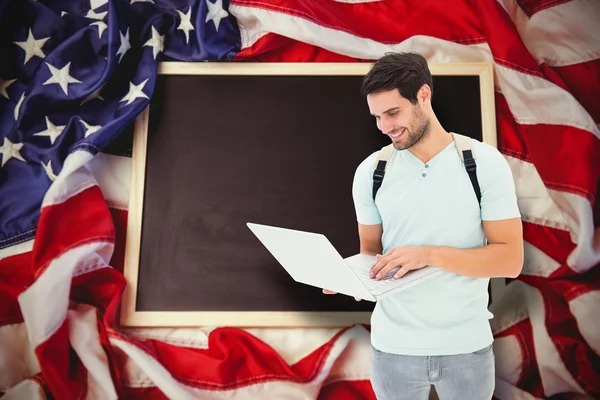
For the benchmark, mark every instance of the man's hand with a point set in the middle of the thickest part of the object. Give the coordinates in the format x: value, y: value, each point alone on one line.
x: 405, y: 257
x: 332, y: 292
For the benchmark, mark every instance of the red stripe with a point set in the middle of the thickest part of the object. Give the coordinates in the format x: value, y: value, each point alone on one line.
x: 234, y: 359
x: 65, y: 374
x: 386, y: 22
x: 583, y: 81
x: 144, y: 393
x: 15, y: 276
x: 529, y: 379
x: 81, y: 219
x: 274, y: 48
x: 579, y: 358
x: 119, y: 219
x: 348, y: 390
x: 555, y: 243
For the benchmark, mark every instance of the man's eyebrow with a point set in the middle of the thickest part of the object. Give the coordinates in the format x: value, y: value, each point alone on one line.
x: 388, y: 111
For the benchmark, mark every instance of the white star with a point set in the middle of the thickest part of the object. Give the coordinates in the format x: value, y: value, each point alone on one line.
x: 48, y: 169
x: 63, y: 13
x: 18, y: 106
x: 10, y: 150
x: 124, y: 44
x: 94, y: 15
x: 90, y: 128
x: 62, y: 77
x: 186, y: 24
x: 4, y: 85
x: 135, y: 91
x: 101, y: 27
x: 52, y: 131
x: 157, y: 42
x: 141, y: 1
x: 215, y: 12
x: 32, y: 46
x: 95, y: 95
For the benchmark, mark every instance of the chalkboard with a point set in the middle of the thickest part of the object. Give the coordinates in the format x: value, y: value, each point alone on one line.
x: 224, y: 144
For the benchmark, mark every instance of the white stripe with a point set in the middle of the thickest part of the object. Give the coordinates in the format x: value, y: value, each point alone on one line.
x: 534, y: 201
x: 510, y: 309
x: 509, y: 359
x: 17, y: 359
x: 113, y: 174
x: 44, y: 303
x: 587, y: 313
x: 534, y: 100
x: 85, y: 340
x: 19, y: 248
x: 579, y: 215
x: 531, y: 99
x: 559, y: 35
x: 28, y: 389
x: 72, y: 179
x: 142, y: 370
x: 538, y: 263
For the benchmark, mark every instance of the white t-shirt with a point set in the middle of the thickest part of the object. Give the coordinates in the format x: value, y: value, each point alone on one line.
x: 434, y: 204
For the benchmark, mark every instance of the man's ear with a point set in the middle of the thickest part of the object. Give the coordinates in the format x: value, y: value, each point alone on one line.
x: 424, y: 94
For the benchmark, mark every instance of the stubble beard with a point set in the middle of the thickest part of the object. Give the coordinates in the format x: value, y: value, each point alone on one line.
x: 416, y: 134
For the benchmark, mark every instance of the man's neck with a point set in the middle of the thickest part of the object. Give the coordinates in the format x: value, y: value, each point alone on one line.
x: 430, y: 146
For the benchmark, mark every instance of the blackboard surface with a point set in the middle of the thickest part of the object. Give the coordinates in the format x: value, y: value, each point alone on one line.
x: 276, y: 150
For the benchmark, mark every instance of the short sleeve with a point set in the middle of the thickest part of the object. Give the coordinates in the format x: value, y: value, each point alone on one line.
x: 362, y: 193
x: 498, y: 194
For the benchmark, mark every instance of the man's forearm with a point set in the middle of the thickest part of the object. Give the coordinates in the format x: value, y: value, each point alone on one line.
x: 491, y: 261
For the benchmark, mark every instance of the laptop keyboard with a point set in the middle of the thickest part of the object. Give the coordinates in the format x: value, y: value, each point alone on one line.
x: 372, y: 283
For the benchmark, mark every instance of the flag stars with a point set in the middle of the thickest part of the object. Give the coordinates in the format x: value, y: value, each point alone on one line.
x: 186, y: 24
x: 101, y: 27
x: 125, y: 46
x: 157, y: 42
x: 95, y: 95
x: 10, y: 150
x: 135, y: 91
x: 90, y: 129
x: 32, y: 47
x: 48, y: 169
x: 4, y: 85
x: 215, y: 12
x: 61, y: 77
x: 141, y: 1
x: 52, y: 131
x: 18, y: 106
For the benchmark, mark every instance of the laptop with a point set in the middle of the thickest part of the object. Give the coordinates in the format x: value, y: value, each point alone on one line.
x: 311, y: 259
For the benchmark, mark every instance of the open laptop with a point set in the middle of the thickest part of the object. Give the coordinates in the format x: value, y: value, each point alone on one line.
x: 310, y: 258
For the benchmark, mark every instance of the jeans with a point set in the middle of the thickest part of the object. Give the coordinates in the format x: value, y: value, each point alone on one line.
x: 469, y: 376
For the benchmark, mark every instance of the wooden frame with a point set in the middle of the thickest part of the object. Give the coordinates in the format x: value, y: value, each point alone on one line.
x: 128, y: 314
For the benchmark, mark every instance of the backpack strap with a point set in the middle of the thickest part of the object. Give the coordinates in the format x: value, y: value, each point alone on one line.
x: 464, y: 146
x: 380, y: 165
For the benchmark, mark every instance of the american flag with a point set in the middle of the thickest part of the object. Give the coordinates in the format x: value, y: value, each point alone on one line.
x: 74, y: 75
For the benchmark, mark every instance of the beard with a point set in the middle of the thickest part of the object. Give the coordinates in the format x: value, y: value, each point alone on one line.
x: 418, y: 131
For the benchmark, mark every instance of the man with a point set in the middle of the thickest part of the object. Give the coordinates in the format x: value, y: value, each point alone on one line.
x: 427, y: 213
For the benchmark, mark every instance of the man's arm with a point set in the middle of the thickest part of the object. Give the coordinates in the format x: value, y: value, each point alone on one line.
x: 501, y: 257
x: 370, y: 239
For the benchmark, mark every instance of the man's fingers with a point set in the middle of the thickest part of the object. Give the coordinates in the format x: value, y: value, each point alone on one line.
x: 357, y: 299
x: 386, y: 269
x: 401, y: 272
x: 326, y: 291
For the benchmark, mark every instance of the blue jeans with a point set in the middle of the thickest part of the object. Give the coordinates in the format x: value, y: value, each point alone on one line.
x: 469, y: 376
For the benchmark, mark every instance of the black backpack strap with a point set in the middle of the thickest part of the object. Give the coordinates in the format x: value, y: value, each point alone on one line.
x: 464, y: 146
x: 380, y: 165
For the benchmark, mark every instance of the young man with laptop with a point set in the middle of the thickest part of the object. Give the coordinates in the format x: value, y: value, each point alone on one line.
x: 432, y: 203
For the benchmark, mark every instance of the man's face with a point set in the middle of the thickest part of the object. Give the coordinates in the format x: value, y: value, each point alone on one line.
x: 405, y: 123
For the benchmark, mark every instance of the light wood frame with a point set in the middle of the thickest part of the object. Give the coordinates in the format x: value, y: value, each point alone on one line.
x: 128, y: 314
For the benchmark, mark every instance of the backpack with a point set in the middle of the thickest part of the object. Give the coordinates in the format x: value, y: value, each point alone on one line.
x: 464, y: 146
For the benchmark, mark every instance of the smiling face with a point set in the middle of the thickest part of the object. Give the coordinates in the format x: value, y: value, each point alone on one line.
x: 405, y: 123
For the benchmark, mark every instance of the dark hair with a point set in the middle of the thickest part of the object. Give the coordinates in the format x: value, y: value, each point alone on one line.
x: 406, y: 72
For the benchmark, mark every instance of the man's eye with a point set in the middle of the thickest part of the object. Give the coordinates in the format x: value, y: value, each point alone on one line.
x: 393, y: 113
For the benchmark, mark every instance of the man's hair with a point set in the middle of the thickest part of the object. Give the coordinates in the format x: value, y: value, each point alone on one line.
x: 406, y: 72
